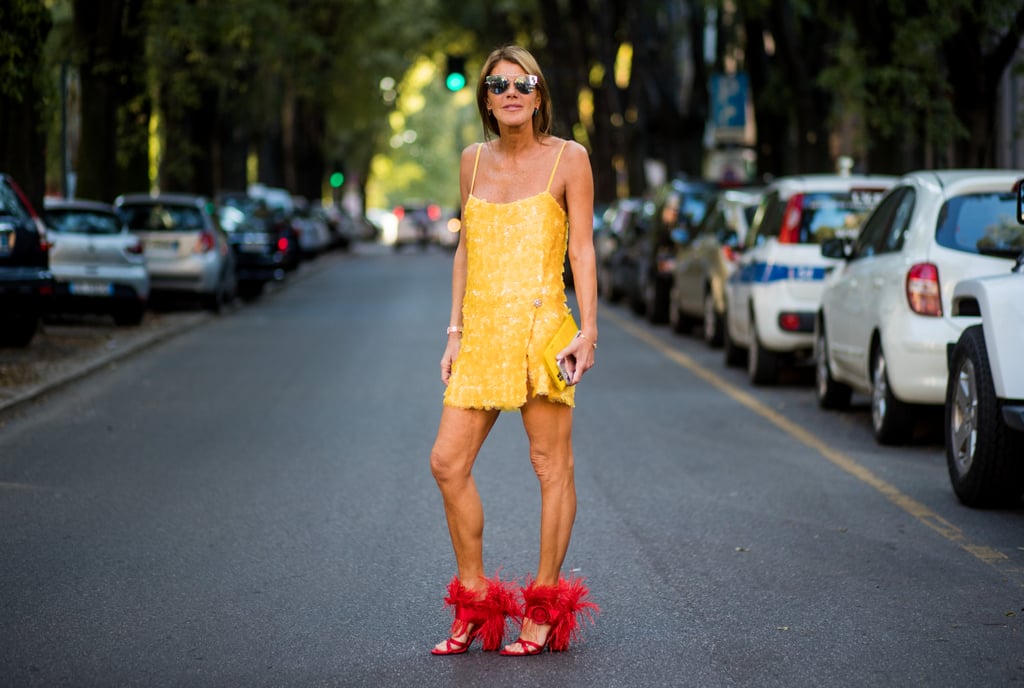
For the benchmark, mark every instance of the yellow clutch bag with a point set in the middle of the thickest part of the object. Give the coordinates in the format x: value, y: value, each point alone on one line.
x: 566, y: 333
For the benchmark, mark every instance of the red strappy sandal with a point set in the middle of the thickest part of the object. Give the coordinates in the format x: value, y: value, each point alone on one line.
x: 563, y: 607
x: 477, y: 617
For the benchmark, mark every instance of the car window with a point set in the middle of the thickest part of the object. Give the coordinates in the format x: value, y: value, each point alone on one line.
x: 900, y: 221
x: 768, y: 219
x: 161, y: 218
x: 10, y: 205
x: 82, y: 221
x: 981, y: 223
x: 831, y: 215
x: 874, y: 236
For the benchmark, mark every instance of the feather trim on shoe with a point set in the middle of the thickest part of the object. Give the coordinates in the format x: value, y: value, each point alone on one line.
x: 497, y: 606
x: 563, y: 607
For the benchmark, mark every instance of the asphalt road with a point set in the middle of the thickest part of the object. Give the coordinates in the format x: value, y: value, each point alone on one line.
x: 249, y: 503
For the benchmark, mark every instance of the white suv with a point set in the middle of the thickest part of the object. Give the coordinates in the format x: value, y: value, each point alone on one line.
x: 984, y: 421
x: 886, y: 315
x: 774, y: 294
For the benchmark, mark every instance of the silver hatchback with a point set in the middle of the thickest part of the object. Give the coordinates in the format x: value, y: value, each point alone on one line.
x: 99, y: 265
x: 187, y: 252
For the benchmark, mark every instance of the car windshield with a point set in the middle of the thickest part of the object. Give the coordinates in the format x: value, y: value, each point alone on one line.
x: 834, y: 215
x: 161, y: 218
x: 9, y: 204
x: 82, y: 221
x: 981, y: 223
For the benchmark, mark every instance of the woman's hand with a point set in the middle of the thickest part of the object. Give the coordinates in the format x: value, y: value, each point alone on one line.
x: 451, y: 352
x: 578, y: 357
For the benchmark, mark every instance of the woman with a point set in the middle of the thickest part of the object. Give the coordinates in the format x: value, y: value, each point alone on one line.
x: 526, y: 195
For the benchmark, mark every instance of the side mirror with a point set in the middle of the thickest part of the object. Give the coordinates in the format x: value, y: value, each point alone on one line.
x: 835, y: 248
x: 1020, y: 201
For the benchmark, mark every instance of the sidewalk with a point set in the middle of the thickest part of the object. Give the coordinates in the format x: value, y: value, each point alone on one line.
x: 67, y: 349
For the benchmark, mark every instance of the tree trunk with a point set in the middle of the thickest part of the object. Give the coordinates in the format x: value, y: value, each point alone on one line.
x: 113, y: 155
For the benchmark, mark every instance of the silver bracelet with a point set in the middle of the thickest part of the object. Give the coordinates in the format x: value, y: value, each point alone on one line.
x: 453, y: 329
x: 583, y: 336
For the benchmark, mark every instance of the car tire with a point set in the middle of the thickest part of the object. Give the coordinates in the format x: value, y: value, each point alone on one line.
x: 735, y: 356
x: 830, y: 393
x: 891, y: 419
x: 18, y: 330
x: 983, y: 455
x: 656, y: 301
x: 130, y: 316
x: 250, y: 290
x: 762, y: 364
x: 713, y: 325
x: 606, y: 286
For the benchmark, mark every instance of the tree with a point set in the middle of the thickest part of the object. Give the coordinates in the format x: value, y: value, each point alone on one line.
x: 24, y: 26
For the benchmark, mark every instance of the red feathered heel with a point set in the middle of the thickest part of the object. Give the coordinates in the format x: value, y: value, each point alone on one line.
x: 477, y: 617
x: 563, y: 607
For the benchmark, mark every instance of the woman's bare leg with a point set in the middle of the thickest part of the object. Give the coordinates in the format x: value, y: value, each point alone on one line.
x: 549, y: 429
x: 459, y: 437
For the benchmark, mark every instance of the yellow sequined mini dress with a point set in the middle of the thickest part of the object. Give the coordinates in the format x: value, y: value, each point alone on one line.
x: 514, y: 300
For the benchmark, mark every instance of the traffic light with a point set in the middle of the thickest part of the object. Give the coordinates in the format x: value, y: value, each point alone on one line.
x: 337, y: 180
x: 456, y: 75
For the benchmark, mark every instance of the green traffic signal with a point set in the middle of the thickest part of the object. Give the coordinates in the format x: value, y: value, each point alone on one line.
x: 456, y: 79
x: 337, y: 179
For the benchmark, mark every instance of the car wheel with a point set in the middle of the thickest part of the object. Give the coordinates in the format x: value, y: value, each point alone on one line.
x: 17, y: 330
x: 606, y: 285
x: 830, y: 393
x: 656, y: 302
x: 130, y: 316
x: 713, y: 325
x: 734, y: 354
x: 250, y: 290
x: 982, y: 453
x: 891, y: 419
x: 762, y: 364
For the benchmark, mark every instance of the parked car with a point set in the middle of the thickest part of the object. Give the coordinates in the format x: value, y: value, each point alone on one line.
x: 775, y: 292
x: 704, y: 261
x: 99, y: 265
x: 417, y: 225
x: 314, y: 234
x: 886, y: 316
x: 625, y: 223
x: 984, y: 414
x: 26, y: 283
x: 262, y: 250
x: 680, y: 206
x: 187, y: 252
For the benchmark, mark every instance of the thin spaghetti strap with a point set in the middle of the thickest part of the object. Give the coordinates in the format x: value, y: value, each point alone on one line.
x: 552, y: 177
x: 476, y: 162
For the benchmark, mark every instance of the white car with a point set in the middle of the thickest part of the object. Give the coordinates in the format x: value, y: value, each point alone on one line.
x: 773, y: 295
x: 886, y: 316
x: 984, y: 422
x: 187, y: 252
x: 99, y: 265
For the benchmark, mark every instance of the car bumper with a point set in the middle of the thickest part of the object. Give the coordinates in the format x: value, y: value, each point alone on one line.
x: 25, y: 290
x: 1013, y: 416
x: 195, y: 274
x: 917, y: 359
x: 770, y: 302
x: 102, y: 282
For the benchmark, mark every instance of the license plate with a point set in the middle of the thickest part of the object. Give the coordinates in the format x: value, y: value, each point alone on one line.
x: 162, y: 245
x: 90, y: 289
x: 252, y: 248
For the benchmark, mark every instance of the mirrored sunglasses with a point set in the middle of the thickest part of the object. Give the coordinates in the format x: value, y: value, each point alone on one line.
x: 498, y: 84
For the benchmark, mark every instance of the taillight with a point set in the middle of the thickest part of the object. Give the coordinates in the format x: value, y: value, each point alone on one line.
x: 204, y: 243
x: 135, y: 249
x: 923, y: 293
x: 282, y: 244
x: 729, y: 254
x: 790, y: 232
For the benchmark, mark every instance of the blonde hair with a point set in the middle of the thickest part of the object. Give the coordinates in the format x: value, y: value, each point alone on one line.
x: 523, y: 58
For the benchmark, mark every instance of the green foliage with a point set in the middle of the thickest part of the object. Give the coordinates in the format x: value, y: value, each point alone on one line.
x: 24, y: 25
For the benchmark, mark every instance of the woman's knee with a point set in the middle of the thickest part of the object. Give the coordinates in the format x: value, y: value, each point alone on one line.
x: 446, y: 466
x: 554, y: 469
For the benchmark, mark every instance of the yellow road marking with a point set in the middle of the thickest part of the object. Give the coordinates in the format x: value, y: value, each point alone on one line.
x: 905, y: 502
